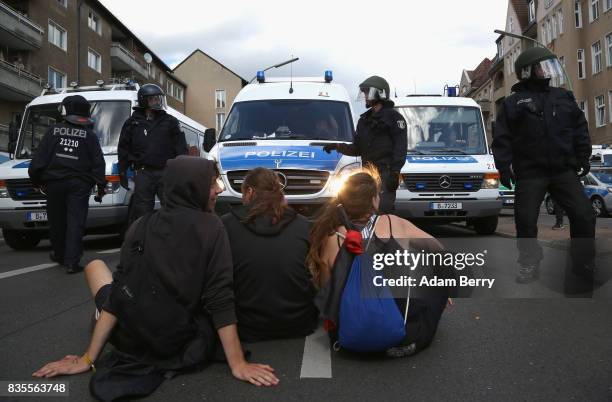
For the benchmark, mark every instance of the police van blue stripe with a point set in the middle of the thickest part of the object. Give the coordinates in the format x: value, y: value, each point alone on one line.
x: 277, y: 157
x: 22, y: 165
x: 440, y: 159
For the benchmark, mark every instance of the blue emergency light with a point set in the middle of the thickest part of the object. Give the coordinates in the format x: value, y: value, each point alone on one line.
x: 261, y: 77
x: 421, y: 186
x: 328, y: 76
x: 468, y: 186
x: 451, y: 91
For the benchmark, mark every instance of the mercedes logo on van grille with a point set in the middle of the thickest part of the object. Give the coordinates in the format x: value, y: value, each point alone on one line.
x: 282, y: 179
x: 445, y: 181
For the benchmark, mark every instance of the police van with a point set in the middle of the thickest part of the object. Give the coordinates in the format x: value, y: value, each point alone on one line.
x: 23, y: 217
x: 282, y: 124
x: 449, y: 174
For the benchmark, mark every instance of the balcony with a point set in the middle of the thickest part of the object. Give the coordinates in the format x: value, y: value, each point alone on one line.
x: 18, y: 85
x: 124, y: 60
x: 18, y: 31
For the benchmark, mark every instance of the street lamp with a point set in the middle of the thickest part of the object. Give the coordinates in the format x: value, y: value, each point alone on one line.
x: 538, y: 43
x: 284, y: 63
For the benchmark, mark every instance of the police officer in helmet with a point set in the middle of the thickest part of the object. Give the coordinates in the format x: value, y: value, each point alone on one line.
x: 541, y: 144
x: 148, y: 139
x: 68, y: 163
x: 381, y: 138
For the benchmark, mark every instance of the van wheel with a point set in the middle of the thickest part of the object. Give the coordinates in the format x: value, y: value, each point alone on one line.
x: 485, y: 226
x: 599, y: 207
x: 21, y: 240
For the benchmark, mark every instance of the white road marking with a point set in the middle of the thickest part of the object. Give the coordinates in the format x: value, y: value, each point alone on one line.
x: 316, y: 362
x: 111, y: 251
x: 26, y: 270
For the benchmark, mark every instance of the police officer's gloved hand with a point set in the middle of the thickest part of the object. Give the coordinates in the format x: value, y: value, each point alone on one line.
x: 330, y: 147
x: 123, y: 180
x: 583, y: 168
x: 100, y: 194
x: 507, y: 179
x: 393, y: 181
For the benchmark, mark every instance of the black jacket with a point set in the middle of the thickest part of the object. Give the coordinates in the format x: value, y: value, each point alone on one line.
x: 274, y: 291
x: 150, y: 143
x: 540, y: 130
x: 66, y: 151
x: 381, y: 139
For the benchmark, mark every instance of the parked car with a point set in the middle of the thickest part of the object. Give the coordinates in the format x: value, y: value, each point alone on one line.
x: 598, y: 187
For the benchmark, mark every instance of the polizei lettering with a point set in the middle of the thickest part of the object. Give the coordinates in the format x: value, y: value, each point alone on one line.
x: 279, y: 154
x: 70, y: 132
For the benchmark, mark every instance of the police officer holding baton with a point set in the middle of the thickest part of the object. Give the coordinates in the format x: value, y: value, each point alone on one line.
x: 541, y: 144
x: 68, y: 163
x: 381, y: 139
x: 148, y: 139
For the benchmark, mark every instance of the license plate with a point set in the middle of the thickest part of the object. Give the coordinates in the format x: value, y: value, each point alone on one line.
x: 446, y: 205
x: 509, y: 201
x: 36, y: 216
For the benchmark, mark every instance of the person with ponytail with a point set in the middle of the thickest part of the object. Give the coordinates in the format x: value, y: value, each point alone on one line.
x: 269, y: 240
x: 360, y: 200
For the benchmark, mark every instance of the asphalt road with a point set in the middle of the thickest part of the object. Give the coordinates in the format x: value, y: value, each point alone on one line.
x: 518, y: 342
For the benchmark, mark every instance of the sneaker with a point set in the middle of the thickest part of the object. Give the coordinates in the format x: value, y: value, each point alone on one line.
x: 528, y: 274
x: 401, y: 351
x: 73, y: 268
x: 558, y: 226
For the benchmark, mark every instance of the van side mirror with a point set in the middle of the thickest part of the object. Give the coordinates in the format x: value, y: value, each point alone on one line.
x: 210, y: 139
x: 12, y: 140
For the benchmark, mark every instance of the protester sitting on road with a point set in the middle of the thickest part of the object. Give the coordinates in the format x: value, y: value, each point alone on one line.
x: 187, y: 249
x: 273, y: 288
x: 360, y: 200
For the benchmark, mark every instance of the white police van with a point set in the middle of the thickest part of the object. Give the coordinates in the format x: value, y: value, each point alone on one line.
x: 23, y: 217
x: 282, y: 124
x: 449, y: 174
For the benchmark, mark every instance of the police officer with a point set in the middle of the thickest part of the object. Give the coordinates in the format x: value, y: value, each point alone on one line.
x: 541, y: 143
x: 381, y: 139
x: 67, y: 163
x: 148, y: 139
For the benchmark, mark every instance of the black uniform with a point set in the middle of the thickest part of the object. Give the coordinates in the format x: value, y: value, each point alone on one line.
x: 68, y: 162
x: 381, y: 140
x: 145, y: 146
x: 542, y: 137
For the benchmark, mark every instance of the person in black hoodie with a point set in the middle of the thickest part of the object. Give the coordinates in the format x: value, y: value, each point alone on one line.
x: 273, y: 287
x: 188, y: 249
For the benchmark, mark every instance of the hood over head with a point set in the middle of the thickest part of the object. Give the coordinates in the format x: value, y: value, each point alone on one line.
x: 262, y: 224
x: 187, y: 181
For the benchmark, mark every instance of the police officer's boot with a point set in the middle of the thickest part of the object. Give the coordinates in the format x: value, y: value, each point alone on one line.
x: 73, y: 268
x: 55, y: 259
x: 528, y: 273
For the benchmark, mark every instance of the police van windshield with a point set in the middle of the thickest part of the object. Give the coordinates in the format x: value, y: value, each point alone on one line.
x: 108, y: 117
x: 289, y: 119
x: 444, y: 130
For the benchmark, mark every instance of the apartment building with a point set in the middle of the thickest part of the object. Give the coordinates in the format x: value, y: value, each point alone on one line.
x: 62, y: 42
x: 212, y: 88
x: 579, y: 32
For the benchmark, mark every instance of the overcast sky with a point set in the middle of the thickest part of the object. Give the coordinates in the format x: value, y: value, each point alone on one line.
x: 413, y: 44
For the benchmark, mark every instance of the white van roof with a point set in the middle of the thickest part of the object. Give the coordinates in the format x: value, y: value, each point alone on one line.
x: 108, y: 95
x: 404, y: 101
x: 303, y: 88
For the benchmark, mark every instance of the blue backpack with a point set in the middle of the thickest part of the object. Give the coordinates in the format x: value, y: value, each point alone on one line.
x: 369, y: 319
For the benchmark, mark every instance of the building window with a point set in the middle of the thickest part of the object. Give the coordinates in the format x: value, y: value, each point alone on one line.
x: 63, y: 3
x: 600, y: 111
x: 610, y: 103
x: 562, y: 76
x: 609, y: 48
x: 179, y: 93
x: 594, y: 10
x: 607, y: 5
x: 560, y: 21
x: 578, y: 14
x: 596, y: 57
x: 500, y: 49
x: 56, y: 78
x: 170, y: 88
x: 220, y: 121
x: 161, y: 78
x: 220, y: 98
x: 93, y: 21
x: 531, y: 10
x: 57, y: 35
x: 94, y: 60
x: 581, y: 69
x: 585, y: 109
